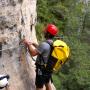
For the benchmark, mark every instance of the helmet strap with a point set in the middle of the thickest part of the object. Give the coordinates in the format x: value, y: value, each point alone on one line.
x: 48, y: 35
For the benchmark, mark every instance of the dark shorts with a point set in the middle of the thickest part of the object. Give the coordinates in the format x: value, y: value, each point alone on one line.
x: 43, y: 79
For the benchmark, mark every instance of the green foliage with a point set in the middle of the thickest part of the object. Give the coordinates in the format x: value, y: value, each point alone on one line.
x: 50, y: 14
x: 39, y: 27
x: 72, y: 17
x: 57, y: 82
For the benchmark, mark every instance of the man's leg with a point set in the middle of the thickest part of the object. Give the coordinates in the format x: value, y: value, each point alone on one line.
x: 39, y: 88
x: 39, y: 82
x: 49, y: 85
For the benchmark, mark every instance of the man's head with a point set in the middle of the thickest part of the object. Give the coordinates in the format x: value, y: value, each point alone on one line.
x: 50, y: 31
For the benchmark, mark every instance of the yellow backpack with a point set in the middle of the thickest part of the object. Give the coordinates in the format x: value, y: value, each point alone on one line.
x: 60, y: 52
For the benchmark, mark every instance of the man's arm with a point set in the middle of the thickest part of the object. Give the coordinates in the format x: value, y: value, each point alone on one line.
x: 32, y: 50
x: 31, y: 47
x: 35, y: 44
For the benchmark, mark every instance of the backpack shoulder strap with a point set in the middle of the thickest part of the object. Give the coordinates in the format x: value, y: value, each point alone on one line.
x: 50, y: 42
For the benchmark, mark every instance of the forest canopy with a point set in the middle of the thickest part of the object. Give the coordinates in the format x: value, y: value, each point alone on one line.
x: 72, y: 17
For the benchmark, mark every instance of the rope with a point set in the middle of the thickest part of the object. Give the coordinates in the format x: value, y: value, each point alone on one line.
x: 24, y: 46
x: 12, y: 48
x: 15, y: 48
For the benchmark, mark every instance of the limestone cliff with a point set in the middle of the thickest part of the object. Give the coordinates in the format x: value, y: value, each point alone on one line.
x: 17, y: 20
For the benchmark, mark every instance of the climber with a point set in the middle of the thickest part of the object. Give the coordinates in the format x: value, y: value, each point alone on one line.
x: 43, y: 77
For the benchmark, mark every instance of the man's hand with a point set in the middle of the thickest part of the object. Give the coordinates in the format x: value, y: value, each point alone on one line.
x: 27, y: 42
x: 35, y: 44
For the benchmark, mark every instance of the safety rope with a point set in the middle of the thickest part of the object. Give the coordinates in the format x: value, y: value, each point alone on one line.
x: 12, y: 48
x: 19, y: 46
x: 15, y: 48
x: 22, y: 46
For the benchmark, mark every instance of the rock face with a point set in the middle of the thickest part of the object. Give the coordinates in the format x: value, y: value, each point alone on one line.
x: 17, y: 20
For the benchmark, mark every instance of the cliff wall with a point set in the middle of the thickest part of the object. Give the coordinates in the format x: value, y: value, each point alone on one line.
x: 17, y: 20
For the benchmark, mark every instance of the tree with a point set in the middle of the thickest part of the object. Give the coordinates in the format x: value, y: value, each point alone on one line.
x: 72, y: 18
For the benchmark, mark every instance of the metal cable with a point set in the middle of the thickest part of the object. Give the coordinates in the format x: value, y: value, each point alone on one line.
x: 12, y: 47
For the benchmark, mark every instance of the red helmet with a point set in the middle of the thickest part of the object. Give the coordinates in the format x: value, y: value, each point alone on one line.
x: 52, y: 29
